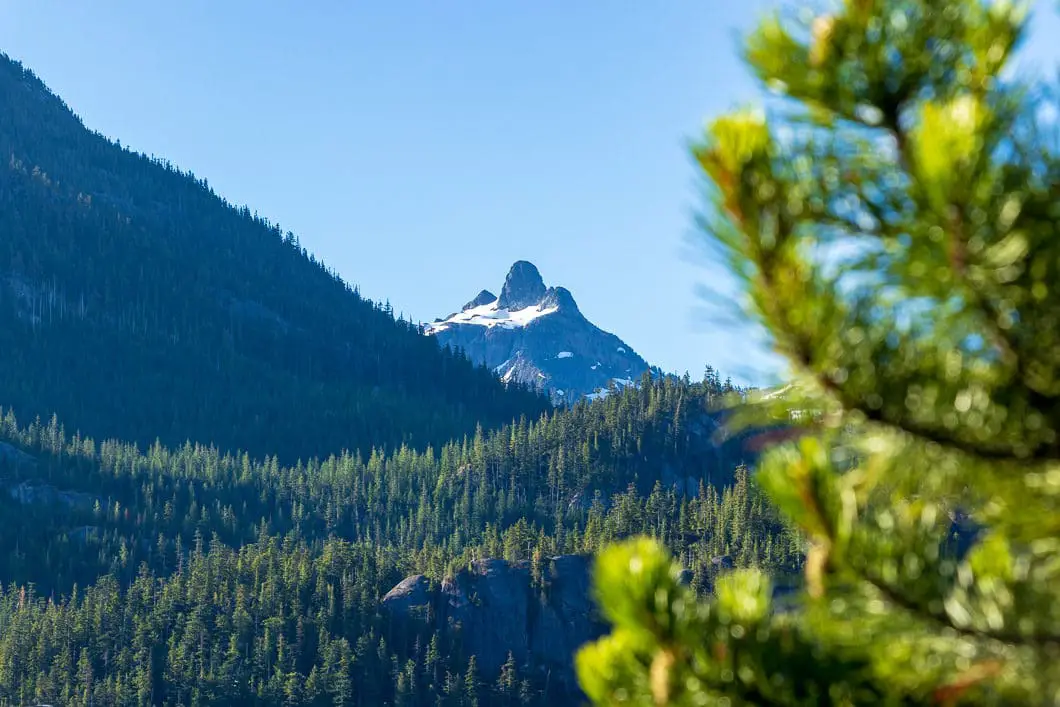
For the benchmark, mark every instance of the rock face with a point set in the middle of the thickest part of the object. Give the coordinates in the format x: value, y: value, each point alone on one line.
x: 409, y: 594
x: 523, y: 287
x: 493, y: 608
x: 14, y: 458
x: 37, y: 492
x: 16, y: 466
x: 536, y: 335
x: 568, y: 621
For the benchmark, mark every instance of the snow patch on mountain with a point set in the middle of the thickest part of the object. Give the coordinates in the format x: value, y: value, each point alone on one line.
x: 617, y: 383
x: 493, y: 315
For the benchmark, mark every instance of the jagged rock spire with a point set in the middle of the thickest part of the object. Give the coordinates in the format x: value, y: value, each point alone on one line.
x: 522, y: 288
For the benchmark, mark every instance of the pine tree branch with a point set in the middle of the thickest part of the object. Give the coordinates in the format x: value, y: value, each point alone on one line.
x: 803, y: 357
x: 941, y: 618
x: 996, y: 452
x: 776, y: 312
x: 991, y: 315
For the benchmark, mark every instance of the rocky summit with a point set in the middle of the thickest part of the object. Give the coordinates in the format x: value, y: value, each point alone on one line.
x: 537, y: 336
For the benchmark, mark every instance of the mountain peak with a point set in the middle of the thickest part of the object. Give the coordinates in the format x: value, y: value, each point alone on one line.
x: 484, y: 297
x: 536, y: 336
x: 561, y: 298
x: 522, y: 288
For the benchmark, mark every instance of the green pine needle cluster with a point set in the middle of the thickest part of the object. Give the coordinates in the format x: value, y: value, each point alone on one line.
x: 893, y: 218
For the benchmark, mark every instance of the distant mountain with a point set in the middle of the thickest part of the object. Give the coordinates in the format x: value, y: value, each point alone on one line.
x: 136, y: 303
x: 536, y: 336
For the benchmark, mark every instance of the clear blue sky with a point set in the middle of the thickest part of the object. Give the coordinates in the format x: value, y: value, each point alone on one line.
x: 419, y: 147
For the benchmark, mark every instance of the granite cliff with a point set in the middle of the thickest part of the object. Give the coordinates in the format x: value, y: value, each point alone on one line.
x: 496, y: 607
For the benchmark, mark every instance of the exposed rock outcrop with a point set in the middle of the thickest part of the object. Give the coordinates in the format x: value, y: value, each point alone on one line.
x: 409, y: 594
x: 37, y: 492
x: 522, y: 288
x: 495, y: 607
x: 13, y: 457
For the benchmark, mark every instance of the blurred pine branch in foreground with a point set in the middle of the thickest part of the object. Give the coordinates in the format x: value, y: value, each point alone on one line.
x: 893, y: 220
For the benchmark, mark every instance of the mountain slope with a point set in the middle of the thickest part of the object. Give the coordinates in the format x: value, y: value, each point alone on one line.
x: 537, y: 336
x: 235, y: 578
x: 136, y: 303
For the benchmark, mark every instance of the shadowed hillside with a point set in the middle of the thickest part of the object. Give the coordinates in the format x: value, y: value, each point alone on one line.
x: 135, y: 302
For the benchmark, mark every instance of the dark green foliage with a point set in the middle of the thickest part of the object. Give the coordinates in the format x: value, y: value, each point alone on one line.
x: 578, y: 478
x: 136, y: 303
x: 231, y: 580
x: 895, y: 224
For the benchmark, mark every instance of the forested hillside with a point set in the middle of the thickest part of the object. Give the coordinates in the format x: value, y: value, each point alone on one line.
x: 208, y: 577
x: 136, y: 303
x: 360, y: 518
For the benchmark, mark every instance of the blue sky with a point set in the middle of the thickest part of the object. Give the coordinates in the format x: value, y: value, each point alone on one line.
x: 420, y: 147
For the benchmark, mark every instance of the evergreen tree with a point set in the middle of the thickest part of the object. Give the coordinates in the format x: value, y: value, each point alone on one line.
x: 894, y: 222
x: 471, y: 683
x: 507, y: 686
